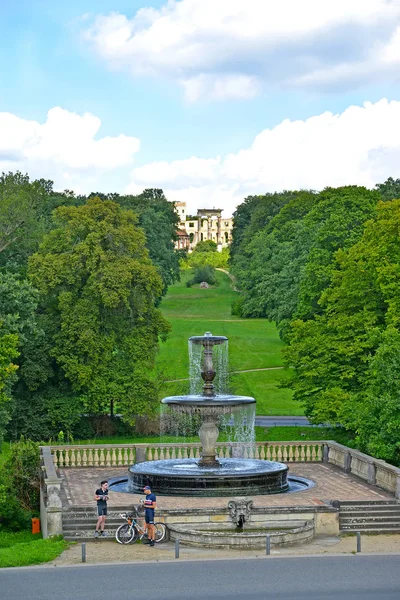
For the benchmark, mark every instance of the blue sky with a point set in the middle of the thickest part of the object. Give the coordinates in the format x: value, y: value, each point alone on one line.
x: 201, y: 90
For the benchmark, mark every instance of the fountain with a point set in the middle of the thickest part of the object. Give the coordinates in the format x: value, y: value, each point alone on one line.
x: 209, y: 475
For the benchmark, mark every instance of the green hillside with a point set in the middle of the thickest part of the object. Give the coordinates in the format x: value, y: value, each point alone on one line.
x: 253, y: 344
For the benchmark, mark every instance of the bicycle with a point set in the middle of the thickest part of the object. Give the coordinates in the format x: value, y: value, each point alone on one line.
x: 131, y: 531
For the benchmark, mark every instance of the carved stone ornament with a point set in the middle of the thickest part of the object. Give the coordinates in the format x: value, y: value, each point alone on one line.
x: 239, y: 510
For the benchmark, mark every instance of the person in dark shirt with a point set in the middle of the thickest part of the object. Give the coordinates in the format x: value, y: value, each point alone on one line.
x: 101, y: 495
x: 150, y: 506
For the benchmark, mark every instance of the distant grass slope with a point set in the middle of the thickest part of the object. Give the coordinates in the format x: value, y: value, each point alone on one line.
x: 253, y: 344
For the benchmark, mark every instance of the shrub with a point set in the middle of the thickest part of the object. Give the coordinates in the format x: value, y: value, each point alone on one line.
x: 203, y: 273
x: 237, y: 306
x: 23, y: 473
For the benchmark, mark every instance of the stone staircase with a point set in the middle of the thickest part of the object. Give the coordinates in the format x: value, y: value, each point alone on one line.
x: 381, y: 516
x: 79, y: 523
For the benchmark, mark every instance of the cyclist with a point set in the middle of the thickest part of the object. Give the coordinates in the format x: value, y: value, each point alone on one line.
x: 101, y: 495
x: 150, y: 506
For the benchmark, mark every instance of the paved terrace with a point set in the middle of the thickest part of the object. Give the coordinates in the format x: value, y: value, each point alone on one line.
x: 331, y: 484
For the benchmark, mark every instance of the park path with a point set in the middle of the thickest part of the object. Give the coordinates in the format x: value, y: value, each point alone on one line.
x: 231, y: 277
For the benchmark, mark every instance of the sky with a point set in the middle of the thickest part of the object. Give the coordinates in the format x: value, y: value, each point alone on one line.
x: 211, y: 100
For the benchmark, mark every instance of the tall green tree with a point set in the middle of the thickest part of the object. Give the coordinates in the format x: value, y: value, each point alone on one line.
x: 336, y: 356
x: 159, y: 221
x: 390, y: 189
x: 8, y: 352
x: 100, y: 289
x: 269, y: 272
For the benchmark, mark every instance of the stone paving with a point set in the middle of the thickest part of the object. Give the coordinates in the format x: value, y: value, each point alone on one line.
x: 331, y: 484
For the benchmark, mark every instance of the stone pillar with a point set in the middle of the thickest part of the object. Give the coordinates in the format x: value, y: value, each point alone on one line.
x: 53, y: 507
x: 141, y: 454
x: 347, y: 462
x: 397, y: 492
x: 372, y: 473
x: 325, y: 453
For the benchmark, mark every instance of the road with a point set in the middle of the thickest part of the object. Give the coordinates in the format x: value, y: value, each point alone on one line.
x: 282, y: 421
x: 357, y: 577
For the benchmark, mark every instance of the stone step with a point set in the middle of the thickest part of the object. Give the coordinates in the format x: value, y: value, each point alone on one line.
x: 370, y: 515
x: 367, y: 531
x: 366, y: 520
x: 389, y: 510
x: 89, y: 525
x: 373, y: 526
x: 88, y: 536
x: 367, y: 503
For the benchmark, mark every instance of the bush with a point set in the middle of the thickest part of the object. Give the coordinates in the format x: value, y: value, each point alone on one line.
x: 23, y: 474
x: 203, y: 273
x: 12, y: 516
x: 237, y: 307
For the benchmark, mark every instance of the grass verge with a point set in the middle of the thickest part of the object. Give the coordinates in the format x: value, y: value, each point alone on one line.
x: 22, y: 549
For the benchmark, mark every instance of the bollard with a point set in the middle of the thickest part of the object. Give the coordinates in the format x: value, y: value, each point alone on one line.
x: 177, y: 548
x: 83, y: 551
x: 358, y: 534
x: 268, y: 545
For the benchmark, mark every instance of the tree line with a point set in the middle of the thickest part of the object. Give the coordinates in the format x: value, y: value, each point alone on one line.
x: 81, y: 279
x: 325, y: 266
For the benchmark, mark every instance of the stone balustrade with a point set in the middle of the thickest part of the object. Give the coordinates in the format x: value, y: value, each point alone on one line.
x: 372, y: 470
x: 367, y: 468
x: 50, y: 495
x: 124, y: 455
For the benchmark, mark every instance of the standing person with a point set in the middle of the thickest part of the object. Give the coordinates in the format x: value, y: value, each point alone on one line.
x: 101, y: 495
x: 150, y: 506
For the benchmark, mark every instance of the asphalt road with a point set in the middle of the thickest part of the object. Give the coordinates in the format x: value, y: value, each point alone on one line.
x: 307, y: 578
x: 282, y: 421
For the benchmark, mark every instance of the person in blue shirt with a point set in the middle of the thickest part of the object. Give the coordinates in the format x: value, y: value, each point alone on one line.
x: 150, y: 506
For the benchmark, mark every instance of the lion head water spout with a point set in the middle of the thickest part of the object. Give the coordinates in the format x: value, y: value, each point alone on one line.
x: 211, y: 475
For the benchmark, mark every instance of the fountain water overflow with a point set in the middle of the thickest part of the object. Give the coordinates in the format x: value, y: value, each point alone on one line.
x: 209, y: 476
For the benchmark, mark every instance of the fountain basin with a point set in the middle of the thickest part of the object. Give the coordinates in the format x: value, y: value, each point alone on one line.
x: 226, y: 535
x: 232, y: 477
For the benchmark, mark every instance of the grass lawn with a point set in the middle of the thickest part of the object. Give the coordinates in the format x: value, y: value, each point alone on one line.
x: 253, y: 344
x: 263, y: 434
x: 23, y: 548
x: 264, y: 387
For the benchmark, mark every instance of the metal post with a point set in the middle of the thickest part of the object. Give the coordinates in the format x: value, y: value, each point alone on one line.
x: 358, y: 534
x: 83, y: 551
x: 177, y: 548
x: 268, y: 544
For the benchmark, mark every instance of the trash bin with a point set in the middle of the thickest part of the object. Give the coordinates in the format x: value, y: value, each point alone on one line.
x: 35, y: 525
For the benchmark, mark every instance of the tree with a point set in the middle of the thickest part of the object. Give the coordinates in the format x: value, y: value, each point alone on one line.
x: 335, y: 222
x: 337, y: 355
x: 8, y: 352
x: 252, y: 216
x: 206, y: 246
x: 101, y: 288
x: 21, y: 228
x: 159, y: 221
x: 390, y: 189
x: 269, y: 269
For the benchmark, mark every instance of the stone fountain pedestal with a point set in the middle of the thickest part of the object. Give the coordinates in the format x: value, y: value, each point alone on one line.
x: 209, y: 476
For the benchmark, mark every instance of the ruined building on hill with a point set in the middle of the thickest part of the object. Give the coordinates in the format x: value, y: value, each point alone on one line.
x: 208, y: 224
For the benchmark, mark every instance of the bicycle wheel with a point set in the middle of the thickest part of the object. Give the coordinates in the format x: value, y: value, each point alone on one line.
x: 161, y: 533
x: 126, y: 534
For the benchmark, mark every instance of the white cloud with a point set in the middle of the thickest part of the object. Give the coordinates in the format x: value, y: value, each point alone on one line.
x: 229, y: 48
x: 359, y: 146
x: 64, y: 148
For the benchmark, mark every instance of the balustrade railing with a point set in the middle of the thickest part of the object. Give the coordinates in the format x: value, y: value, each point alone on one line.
x: 123, y: 455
